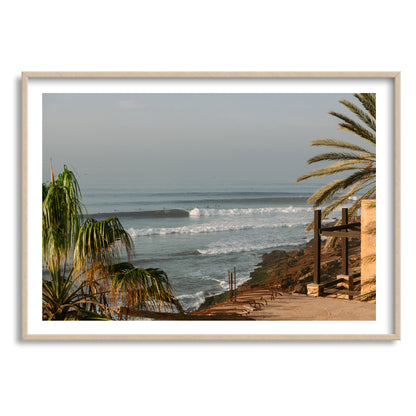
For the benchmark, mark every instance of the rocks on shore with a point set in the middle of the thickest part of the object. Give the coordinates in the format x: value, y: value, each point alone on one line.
x: 291, y: 271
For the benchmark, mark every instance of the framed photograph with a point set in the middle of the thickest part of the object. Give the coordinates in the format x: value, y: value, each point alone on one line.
x: 210, y: 206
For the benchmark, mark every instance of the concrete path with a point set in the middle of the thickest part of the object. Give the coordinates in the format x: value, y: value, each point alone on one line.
x: 308, y: 308
x: 290, y: 307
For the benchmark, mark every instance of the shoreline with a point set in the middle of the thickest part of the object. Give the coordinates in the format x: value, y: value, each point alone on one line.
x: 283, y: 272
x: 276, y: 291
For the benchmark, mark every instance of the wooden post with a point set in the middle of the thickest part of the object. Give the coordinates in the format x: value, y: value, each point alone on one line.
x: 344, y: 244
x: 317, y: 246
x: 235, y: 285
x: 229, y: 284
x: 350, y: 287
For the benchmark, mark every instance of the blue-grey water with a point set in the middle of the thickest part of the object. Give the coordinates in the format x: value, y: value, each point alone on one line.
x: 196, y: 235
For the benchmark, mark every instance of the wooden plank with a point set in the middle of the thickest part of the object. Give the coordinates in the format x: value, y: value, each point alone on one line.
x: 349, y: 234
x: 352, y: 225
x: 330, y: 283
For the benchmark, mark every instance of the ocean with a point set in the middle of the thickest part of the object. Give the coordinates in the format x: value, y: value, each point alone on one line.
x: 196, y: 236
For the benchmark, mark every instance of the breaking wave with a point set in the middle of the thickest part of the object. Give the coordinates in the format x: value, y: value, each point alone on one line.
x: 207, y: 228
x: 208, y: 212
x: 240, y: 248
x: 201, y: 212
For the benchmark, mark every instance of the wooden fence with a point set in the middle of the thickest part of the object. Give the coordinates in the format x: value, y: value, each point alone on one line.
x: 344, y: 231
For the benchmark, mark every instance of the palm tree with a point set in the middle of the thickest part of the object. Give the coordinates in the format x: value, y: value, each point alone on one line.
x: 86, y: 278
x: 357, y: 160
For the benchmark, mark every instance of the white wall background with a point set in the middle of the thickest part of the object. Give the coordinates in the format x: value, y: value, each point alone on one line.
x: 201, y: 378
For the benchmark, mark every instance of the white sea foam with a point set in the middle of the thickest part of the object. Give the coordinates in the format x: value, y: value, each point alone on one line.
x: 209, y: 212
x: 192, y: 301
x: 223, y: 248
x: 195, y: 212
x: 208, y: 228
x: 222, y: 283
x: 225, y: 285
x: 199, y: 294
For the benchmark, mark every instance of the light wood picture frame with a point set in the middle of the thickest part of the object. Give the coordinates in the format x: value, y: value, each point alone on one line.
x: 386, y: 326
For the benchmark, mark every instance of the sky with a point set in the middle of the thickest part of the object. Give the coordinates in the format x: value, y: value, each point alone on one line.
x: 147, y: 140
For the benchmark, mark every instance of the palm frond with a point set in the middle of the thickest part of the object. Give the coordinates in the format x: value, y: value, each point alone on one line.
x: 365, y: 174
x: 83, y: 256
x: 342, y: 199
x: 62, y: 298
x: 144, y: 288
x: 339, y: 202
x: 62, y: 212
x: 368, y: 100
x: 340, y: 144
x: 362, y: 115
x: 327, y: 191
x: 353, y: 127
x: 358, y: 161
x: 331, y: 169
x: 357, y: 204
x: 363, y: 157
x: 99, y: 245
